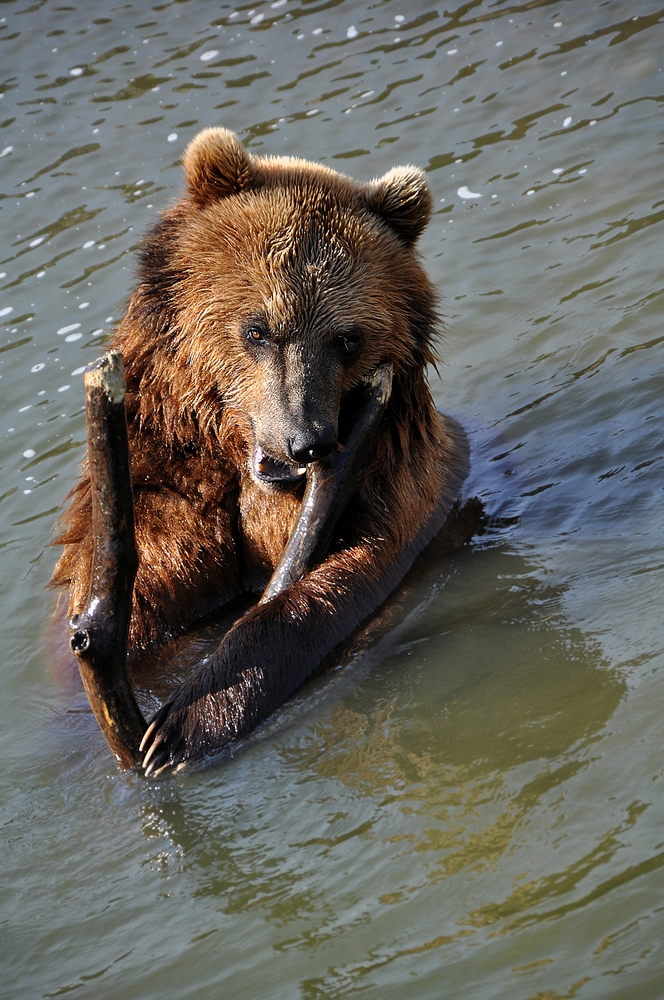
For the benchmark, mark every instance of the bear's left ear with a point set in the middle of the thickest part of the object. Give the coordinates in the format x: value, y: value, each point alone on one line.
x: 403, y: 199
x: 216, y: 165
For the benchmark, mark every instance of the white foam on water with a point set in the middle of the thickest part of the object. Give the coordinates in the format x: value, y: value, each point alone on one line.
x: 314, y: 111
x: 40, y: 274
x: 277, y: 3
x: 29, y: 453
x: 317, y: 31
x: 584, y: 170
x: 36, y: 242
x: 7, y: 150
x: 76, y: 71
x: 352, y: 32
x: 79, y: 371
x: 452, y: 52
x: 6, y: 311
x: 24, y: 408
x: 27, y: 491
x: 109, y: 319
x: 68, y: 328
x: 90, y: 243
x: 210, y: 54
x: 83, y: 305
x: 399, y: 17
x: 299, y: 37
x: 567, y: 122
x: 466, y: 193
x: 38, y: 367
x: 171, y: 137
x: 557, y: 170
x: 367, y: 93
x: 532, y: 191
x: 63, y: 388
x: 73, y: 336
x: 257, y: 19
x: 498, y: 44
x: 31, y: 194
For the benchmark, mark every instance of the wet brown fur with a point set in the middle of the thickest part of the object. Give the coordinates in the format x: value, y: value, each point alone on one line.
x: 313, y: 254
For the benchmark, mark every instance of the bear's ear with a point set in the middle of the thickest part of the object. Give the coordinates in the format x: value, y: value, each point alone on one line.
x: 216, y: 165
x: 403, y: 199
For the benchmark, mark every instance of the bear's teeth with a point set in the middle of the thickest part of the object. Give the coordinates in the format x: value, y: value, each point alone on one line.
x: 301, y: 470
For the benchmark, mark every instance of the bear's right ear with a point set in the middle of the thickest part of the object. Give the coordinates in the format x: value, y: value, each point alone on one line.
x: 216, y: 165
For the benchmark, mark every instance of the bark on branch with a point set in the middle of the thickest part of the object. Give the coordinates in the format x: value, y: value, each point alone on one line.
x: 99, y: 635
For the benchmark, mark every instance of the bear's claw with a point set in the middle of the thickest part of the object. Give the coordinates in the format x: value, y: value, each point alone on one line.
x: 161, y: 746
x: 176, y: 734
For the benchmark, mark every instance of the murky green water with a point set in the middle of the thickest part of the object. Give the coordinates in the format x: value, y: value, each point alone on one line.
x: 475, y: 809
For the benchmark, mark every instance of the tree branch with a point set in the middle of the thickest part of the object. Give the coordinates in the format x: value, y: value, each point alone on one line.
x: 99, y: 635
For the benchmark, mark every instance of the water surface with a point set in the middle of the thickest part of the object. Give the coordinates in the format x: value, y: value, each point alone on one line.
x: 474, y: 809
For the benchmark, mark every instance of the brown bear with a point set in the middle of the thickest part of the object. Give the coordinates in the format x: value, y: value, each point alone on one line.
x: 267, y: 294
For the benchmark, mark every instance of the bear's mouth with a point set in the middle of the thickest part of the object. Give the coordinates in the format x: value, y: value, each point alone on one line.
x: 284, y: 476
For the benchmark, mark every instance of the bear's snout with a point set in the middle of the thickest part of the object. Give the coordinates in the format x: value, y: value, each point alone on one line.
x: 310, y: 445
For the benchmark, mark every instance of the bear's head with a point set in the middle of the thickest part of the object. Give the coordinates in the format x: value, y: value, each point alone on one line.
x: 273, y: 289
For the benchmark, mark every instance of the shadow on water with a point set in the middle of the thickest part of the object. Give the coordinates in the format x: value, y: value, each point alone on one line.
x: 449, y: 751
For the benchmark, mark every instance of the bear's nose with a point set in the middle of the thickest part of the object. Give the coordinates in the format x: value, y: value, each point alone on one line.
x: 306, y: 448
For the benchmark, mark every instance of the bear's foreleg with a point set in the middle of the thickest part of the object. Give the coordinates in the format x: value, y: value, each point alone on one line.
x: 275, y: 646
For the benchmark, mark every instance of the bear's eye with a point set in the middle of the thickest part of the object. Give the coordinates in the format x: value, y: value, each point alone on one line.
x: 349, y: 344
x: 255, y: 335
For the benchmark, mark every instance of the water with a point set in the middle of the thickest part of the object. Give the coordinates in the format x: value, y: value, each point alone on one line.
x: 474, y: 809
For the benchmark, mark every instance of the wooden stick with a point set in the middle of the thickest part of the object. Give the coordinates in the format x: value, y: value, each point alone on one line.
x: 330, y: 484
x: 99, y: 635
